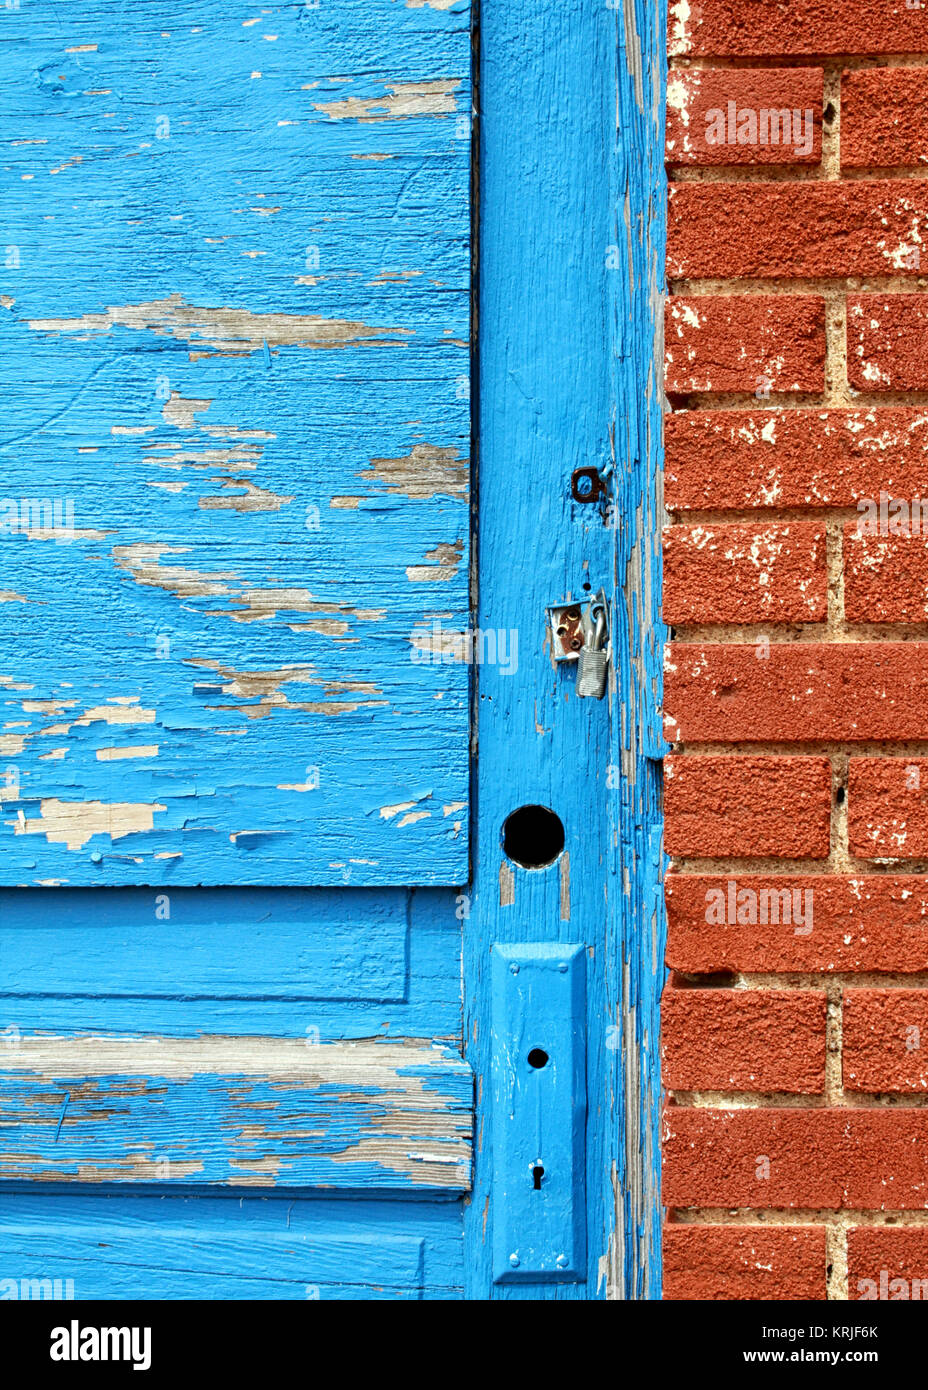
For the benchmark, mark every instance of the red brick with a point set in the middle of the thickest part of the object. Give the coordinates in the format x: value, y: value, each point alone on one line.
x: 731, y: 806
x: 727, y: 459
x: 826, y: 1159
x: 758, y: 28
x: 887, y: 803
x: 886, y: 576
x: 722, y: 1263
x: 884, y: 118
x: 878, y: 1255
x: 873, y: 922
x: 697, y: 97
x: 743, y: 1040
x: 788, y: 230
x: 790, y: 692
x: 885, y: 1040
x: 887, y: 342
x: 745, y: 574
x: 772, y: 343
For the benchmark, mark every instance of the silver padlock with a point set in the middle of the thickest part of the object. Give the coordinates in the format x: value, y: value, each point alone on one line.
x: 593, y: 659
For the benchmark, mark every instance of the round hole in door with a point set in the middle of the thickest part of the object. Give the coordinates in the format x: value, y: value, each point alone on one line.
x: 533, y: 837
x: 538, y: 1058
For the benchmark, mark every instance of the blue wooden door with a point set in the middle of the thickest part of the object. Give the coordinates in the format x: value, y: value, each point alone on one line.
x: 329, y: 934
x: 233, y: 571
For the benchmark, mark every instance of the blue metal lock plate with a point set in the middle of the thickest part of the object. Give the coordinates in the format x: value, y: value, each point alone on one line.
x: 538, y: 1078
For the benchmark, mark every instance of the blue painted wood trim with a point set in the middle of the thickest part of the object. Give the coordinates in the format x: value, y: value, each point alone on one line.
x: 636, y: 926
x: 255, y: 1246
x: 245, y: 1112
x: 570, y: 221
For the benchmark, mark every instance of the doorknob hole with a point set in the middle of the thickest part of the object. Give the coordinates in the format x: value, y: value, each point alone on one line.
x: 533, y: 837
x: 538, y: 1058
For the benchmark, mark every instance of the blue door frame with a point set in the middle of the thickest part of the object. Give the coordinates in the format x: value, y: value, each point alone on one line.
x: 570, y: 229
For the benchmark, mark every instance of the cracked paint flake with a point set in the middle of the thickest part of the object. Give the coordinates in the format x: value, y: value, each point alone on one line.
x: 426, y: 471
x: 73, y: 823
x: 443, y: 567
x: 406, y: 99
x: 244, y: 497
x: 182, y: 413
x: 139, y: 750
x: 225, y: 329
x: 264, y: 686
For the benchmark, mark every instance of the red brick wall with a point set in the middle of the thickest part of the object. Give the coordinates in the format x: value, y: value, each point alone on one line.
x: 795, y: 1022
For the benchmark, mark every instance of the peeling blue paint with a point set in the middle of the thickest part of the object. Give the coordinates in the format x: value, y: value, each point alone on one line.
x: 235, y: 321
x: 281, y: 1123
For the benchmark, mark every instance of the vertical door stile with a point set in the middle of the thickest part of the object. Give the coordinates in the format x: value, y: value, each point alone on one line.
x: 546, y: 121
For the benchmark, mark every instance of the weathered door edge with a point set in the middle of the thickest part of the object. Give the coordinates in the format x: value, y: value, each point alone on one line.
x: 636, y: 925
x: 570, y: 217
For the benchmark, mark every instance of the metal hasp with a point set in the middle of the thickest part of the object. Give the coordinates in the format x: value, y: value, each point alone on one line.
x: 565, y: 621
x: 538, y: 1079
x: 581, y: 632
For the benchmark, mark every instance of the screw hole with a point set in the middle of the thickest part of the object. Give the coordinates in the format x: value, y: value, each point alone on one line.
x: 538, y: 1058
x: 533, y: 837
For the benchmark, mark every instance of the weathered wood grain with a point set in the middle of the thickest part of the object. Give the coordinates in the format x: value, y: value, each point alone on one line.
x: 243, y: 1112
x: 234, y: 329
x: 629, y: 1175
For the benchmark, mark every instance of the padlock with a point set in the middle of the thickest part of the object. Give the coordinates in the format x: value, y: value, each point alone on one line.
x: 593, y: 659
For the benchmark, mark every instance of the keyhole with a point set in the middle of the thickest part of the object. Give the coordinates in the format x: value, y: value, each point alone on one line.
x: 538, y: 1173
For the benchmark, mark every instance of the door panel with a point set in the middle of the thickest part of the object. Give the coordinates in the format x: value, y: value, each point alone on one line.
x: 334, y: 1076
x: 234, y: 734
x: 267, y: 1038
x: 123, y: 1247
x: 315, y: 964
x: 235, y: 443
x: 229, y: 944
x: 246, y: 1112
